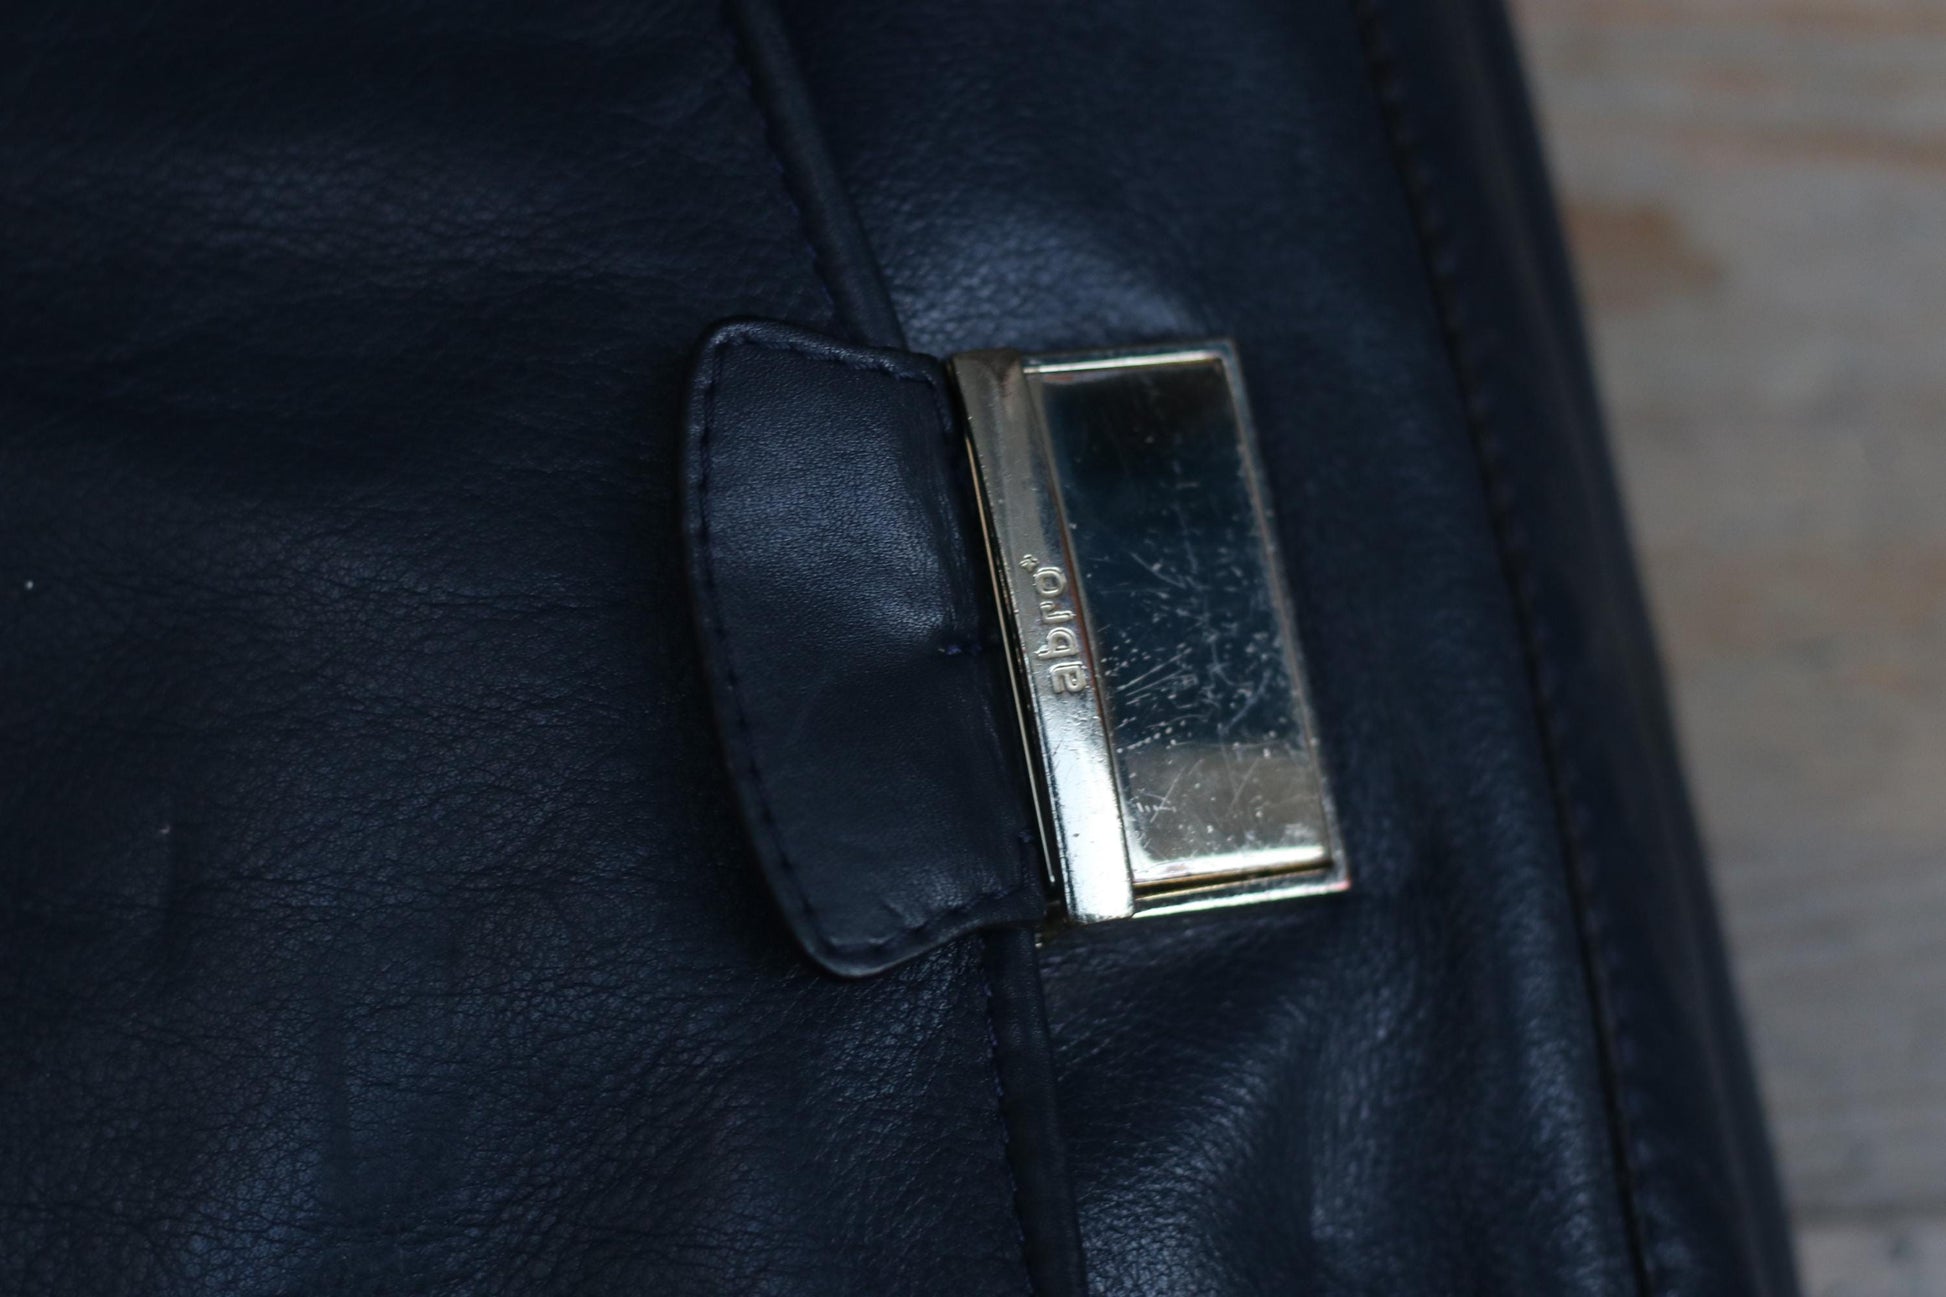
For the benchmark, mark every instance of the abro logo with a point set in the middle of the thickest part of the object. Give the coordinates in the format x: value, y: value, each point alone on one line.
x: 1060, y: 646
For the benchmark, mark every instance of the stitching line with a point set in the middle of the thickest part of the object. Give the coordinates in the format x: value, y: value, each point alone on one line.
x: 916, y: 933
x: 940, y: 408
x: 802, y: 226
x: 1006, y: 1132
x: 1515, y: 550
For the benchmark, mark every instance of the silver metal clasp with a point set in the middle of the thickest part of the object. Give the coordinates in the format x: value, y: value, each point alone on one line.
x: 1157, y: 669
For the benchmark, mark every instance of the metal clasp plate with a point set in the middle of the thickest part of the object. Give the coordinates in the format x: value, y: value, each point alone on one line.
x: 1157, y: 669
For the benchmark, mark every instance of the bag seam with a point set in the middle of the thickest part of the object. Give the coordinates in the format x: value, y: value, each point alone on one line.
x: 1588, y: 895
x: 741, y: 69
x: 1025, y: 881
x: 1000, y: 1112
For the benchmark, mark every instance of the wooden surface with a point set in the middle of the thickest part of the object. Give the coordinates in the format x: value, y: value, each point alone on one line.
x: 1756, y: 190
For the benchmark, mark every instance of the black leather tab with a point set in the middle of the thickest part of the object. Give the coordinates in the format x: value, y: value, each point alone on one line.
x: 844, y: 625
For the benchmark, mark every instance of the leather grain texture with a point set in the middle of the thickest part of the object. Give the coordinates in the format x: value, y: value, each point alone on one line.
x: 1506, y: 1061
x: 1707, y: 1211
x: 375, y: 912
x: 846, y: 631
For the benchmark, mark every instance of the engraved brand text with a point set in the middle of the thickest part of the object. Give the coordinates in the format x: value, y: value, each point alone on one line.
x: 1060, y: 647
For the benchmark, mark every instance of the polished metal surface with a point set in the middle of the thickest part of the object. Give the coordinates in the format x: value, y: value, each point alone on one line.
x: 1057, y: 685
x: 1157, y: 664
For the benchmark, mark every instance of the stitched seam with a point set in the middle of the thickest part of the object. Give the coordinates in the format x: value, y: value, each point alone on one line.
x: 1006, y: 1133
x: 803, y: 226
x: 1515, y: 550
x: 866, y: 363
x: 941, y: 410
x: 916, y: 932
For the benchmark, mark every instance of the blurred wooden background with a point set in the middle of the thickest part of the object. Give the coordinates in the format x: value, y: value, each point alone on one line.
x: 1756, y: 192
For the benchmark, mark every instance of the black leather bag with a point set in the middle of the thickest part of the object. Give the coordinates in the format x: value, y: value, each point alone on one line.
x: 511, y: 784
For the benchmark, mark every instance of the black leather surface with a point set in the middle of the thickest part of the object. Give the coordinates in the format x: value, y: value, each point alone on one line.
x: 845, y: 629
x: 375, y: 915
x: 1708, y: 1214
x: 1492, y: 1067
x: 375, y: 911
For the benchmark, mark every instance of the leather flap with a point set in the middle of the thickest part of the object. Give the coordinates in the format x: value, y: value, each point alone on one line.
x: 845, y: 630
